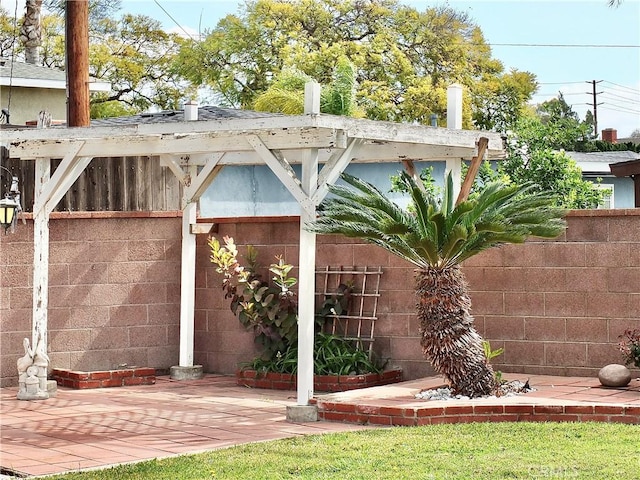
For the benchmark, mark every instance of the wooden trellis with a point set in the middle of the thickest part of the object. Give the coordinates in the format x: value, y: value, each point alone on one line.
x: 357, y: 291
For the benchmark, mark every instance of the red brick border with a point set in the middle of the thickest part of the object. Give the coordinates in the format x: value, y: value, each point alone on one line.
x: 399, y: 416
x: 104, y: 378
x: 321, y: 383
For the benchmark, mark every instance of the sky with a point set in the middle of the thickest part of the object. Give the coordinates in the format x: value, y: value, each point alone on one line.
x: 567, y: 44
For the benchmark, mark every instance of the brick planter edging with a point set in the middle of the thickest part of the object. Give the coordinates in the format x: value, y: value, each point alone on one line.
x: 321, y: 383
x: 104, y: 378
x: 398, y: 416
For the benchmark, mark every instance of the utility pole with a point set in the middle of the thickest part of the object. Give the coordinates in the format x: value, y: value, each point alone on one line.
x: 595, y: 105
x: 77, y: 61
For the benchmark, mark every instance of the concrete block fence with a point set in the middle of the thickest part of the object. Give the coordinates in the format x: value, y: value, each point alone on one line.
x: 556, y: 307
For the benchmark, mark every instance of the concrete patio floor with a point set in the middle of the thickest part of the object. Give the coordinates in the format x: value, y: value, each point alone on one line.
x: 82, y: 429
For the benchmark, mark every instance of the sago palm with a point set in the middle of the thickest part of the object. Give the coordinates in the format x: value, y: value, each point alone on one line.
x: 436, y: 237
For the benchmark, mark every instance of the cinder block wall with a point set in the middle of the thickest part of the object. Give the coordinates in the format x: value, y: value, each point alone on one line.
x: 114, y: 291
x: 557, y: 307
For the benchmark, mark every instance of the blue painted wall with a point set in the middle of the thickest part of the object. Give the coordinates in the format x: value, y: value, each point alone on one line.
x: 246, y: 191
x: 240, y: 191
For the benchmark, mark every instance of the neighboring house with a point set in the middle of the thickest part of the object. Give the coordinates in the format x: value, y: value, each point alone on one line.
x: 27, y: 89
x: 596, y: 165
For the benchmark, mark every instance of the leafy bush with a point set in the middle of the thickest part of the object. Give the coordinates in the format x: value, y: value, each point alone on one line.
x: 270, y: 309
x: 332, y: 355
x: 629, y: 345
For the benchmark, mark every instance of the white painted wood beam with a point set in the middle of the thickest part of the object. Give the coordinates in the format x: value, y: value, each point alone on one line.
x: 173, y: 162
x: 334, y: 168
x: 59, y: 180
x: 70, y: 177
x: 204, y: 178
x: 186, y: 144
x: 306, y: 285
x: 187, y: 285
x: 282, y: 169
x: 40, y: 258
x: 307, y: 261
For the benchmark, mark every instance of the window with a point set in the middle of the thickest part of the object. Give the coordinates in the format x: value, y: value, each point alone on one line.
x: 607, y: 198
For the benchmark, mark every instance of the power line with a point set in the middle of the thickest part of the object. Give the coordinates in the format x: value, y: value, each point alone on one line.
x: 606, y: 107
x: 622, y: 107
x: 560, y: 45
x: 635, y: 90
x: 556, y: 93
x: 558, y: 83
x: 174, y: 20
x: 632, y: 100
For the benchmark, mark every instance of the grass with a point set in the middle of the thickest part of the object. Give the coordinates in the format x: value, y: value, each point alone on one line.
x: 462, y: 451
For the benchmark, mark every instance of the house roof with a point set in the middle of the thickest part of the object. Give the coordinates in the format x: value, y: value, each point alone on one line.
x: 598, y: 162
x: 173, y: 116
x: 20, y: 74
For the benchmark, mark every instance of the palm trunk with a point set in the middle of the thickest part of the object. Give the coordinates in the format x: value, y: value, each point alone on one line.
x: 449, y: 340
x: 31, y: 32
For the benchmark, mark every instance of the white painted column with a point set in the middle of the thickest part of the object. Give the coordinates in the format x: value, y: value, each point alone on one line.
x: 307, y: 262
x: 40, y: 258
x: 454, y: 121
x: 187, y: 285
x: 454, y: 106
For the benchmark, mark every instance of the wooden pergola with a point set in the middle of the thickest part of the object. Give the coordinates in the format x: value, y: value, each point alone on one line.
x: 196, y: 151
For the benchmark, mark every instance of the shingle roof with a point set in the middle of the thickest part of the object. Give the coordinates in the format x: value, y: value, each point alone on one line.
x: 20, y: 74
x: 26, y: 70
x: 168, y: 116
x: 604, y: 157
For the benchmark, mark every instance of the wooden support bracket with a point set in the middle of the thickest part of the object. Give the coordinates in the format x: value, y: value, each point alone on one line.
x: 476, y: 161
x: 203, y: 228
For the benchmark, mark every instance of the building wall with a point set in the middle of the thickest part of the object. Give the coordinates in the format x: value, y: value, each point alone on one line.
x: 26, y: 103
x: 557, y: 307
x: 228, y: 195
x: 623, y: 189
x: 114, y: 292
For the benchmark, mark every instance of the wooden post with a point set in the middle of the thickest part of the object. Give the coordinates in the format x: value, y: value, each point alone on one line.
x: 454, y: 121
x: 187, y: 285
x: 40, y: 258
x: 476, y: 161
x: 307, y: 262
x: 77, y: 61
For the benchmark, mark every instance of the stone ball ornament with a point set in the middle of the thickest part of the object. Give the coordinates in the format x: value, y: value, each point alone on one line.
x: 614, y: 375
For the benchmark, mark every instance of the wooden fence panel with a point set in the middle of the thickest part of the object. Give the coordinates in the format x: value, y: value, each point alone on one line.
x: 107, y: 184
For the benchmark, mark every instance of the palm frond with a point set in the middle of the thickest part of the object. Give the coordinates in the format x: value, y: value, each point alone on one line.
x: 439, y: 235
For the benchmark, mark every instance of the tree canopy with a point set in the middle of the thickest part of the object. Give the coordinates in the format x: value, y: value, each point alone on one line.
x: 404, y: 59
x: 536, y: 153
x: 132, y: 52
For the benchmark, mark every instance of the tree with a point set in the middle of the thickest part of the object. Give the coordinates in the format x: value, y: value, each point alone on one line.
x: 404, y: 59
x: 504, y: 100
x: 132, y: 52
x: 436, y: 237
x: 30, y: 32
x: 286, y: 93
x: 98, y: 9
x: 535, y: 153
x: 136, y: 55
x: 7, y: 34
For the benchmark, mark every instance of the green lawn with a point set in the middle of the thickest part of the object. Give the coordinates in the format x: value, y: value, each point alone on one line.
x: 465, y: 451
